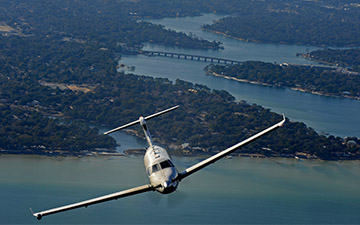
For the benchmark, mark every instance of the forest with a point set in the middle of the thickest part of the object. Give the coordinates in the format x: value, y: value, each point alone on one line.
x: 24, y: 131
x: 349, y: 58
x: 299, y: 24
x: 329, y: 23
x: 310, y: 79
x: 109, y: 23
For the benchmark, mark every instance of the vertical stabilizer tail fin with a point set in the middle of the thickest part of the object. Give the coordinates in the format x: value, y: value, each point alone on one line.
x: 146, y: 131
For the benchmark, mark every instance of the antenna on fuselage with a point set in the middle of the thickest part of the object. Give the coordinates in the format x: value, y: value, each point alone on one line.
x: 142, y: 121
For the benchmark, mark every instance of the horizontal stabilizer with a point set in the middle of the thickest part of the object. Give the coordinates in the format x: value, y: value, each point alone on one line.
x: 138, y: 121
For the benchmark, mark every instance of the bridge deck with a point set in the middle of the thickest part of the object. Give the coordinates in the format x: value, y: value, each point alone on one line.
x: 189, y: 57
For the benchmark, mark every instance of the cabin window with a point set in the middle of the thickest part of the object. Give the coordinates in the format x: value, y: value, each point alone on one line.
x: 156, y: 168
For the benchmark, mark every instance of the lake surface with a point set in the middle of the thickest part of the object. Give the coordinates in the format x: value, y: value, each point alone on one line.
x: 231, y: 191
x: 327, y: 115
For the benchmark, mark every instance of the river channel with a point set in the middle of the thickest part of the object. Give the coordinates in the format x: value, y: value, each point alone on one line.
x: 327, y: 115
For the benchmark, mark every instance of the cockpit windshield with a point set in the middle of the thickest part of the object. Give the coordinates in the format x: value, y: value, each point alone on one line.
x: 166, y: 164
x: 160, y: 166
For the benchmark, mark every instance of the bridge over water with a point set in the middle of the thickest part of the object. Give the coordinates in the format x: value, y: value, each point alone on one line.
x: 189, y: 57
x: 230, y: 61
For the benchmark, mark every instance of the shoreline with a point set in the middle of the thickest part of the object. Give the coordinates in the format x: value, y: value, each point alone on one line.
x: 271, y: 42
x: 292, y: 88
x: 311, y: 58
x: 250, y: 40
x: 63, y: 153
x: 229, y: 36
x: 137, y: 153
x: 174, y: 150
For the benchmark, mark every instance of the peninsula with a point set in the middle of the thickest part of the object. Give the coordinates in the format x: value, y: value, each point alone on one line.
x: 349, y: 58
x: 302, y: 24
x: 311, y: 79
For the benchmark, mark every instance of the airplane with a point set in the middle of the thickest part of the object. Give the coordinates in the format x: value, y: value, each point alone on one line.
x: 162, y: 173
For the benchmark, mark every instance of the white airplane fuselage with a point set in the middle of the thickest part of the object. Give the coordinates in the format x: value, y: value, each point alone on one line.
x: 160, y: 170
x: 159, y: 166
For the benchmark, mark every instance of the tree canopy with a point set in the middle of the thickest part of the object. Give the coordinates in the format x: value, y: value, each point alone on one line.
x: 307, y: 78
x: 342, y: 57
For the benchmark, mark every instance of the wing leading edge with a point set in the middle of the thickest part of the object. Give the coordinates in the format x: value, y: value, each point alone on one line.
x: 113, y: 196
x: 187, y: 172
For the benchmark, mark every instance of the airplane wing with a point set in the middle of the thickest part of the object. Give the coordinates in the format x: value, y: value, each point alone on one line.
x: 187, y: 172
x: 113, y: 196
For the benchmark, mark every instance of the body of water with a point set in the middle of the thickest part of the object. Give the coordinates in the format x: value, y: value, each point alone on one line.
x: 231, y: 191
x: 327, y: 115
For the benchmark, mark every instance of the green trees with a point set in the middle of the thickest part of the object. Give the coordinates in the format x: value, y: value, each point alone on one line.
x: 30, y: 132
x: 105, y: 23
x: 342, y: 57
x: 311, y: 79
x: 305, y: 24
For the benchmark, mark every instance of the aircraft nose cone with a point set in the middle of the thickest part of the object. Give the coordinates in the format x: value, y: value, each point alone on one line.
x: 167, y: 184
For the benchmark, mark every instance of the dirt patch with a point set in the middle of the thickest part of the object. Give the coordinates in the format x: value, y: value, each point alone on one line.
x: 6, y: 28
x: 77, y: 88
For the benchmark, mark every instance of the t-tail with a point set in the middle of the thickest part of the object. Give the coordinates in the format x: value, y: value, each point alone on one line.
x: 142, y: 121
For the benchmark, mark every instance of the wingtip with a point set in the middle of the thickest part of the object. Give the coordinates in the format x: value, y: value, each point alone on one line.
x: 283, y: 120
x: 37, y: 215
